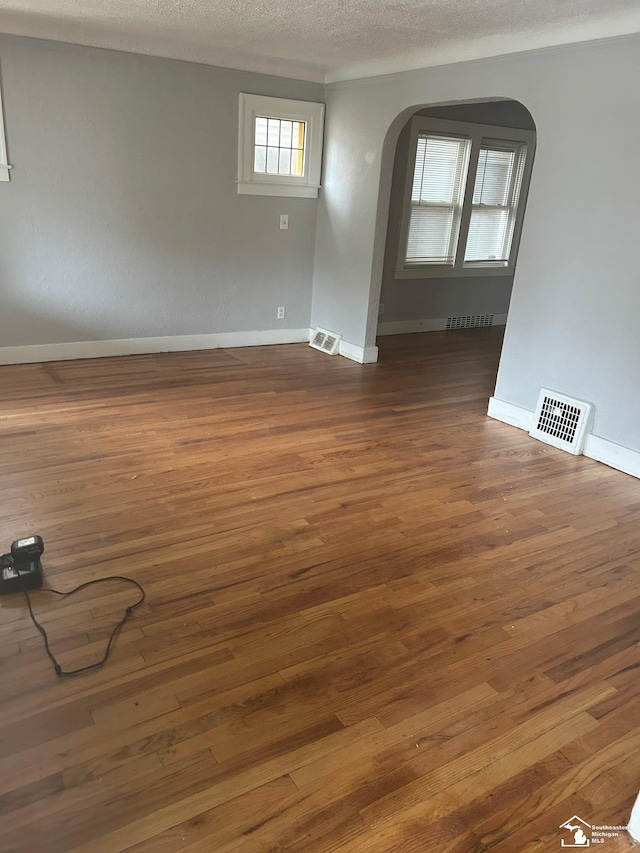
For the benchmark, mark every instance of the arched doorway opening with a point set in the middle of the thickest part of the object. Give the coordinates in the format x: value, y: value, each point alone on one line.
x: 456, y: 187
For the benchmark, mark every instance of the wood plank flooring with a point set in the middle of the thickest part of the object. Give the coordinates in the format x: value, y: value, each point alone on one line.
x: 376, y: 620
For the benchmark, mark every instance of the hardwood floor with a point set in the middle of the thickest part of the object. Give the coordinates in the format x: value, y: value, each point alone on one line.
x: 376, y: 620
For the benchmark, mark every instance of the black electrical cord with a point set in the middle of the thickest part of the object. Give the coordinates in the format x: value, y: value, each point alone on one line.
x: 59, y: 670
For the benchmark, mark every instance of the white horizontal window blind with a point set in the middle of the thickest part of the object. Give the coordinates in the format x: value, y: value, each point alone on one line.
x: 436, y: 199
x: 495, y: 201
x: 464, y: 197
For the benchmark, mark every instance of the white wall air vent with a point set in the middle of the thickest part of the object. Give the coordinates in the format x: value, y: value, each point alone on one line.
x: 473, y: 321
x: 561, y: 421
x: 325, y: 341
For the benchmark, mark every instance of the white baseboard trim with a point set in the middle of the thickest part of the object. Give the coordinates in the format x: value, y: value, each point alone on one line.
x: 510, y: 414
x: 138, y: 346
x: 436, y: 324
x: 597, y: 448
x: 613, y: 455
x: 363, y: 355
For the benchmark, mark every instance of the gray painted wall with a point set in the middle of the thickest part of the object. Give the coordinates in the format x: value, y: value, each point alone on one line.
x: 499, y: 113
x: 573, y: 322
x: 433, y: 298
x: 122, y: 218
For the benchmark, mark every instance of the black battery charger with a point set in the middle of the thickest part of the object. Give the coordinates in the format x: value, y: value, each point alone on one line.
x: 21, y: 569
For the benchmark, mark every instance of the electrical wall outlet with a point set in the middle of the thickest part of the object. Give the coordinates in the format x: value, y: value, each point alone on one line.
x: 281, y: 312
x: 381, y: 309
x: 284, y: 221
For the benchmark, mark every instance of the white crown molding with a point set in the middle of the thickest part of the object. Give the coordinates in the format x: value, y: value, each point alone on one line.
x: 600, y: 449
x: 138, y: 346
x: 146, y: 40
x: 587, y: 33
x: 160, y: 48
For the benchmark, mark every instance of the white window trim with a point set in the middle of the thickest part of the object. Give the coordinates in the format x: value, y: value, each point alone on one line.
x: 477, y: 133
x: 4, y: 163
x: 255, y: 183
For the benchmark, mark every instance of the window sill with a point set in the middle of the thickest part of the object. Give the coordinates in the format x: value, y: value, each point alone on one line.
x: 453, y: 272
x: 290, y: 190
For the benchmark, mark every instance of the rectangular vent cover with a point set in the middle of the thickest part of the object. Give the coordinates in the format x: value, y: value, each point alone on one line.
x: 470, y: 322
x: 561, y: 421
x: 326, y: 341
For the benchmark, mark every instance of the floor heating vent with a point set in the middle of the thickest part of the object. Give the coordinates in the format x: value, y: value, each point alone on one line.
x: 473, y: 321
x: 326, y: 341
x: 561, y: 421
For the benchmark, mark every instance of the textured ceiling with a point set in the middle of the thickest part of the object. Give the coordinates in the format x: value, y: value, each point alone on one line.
x: 320, y: 39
